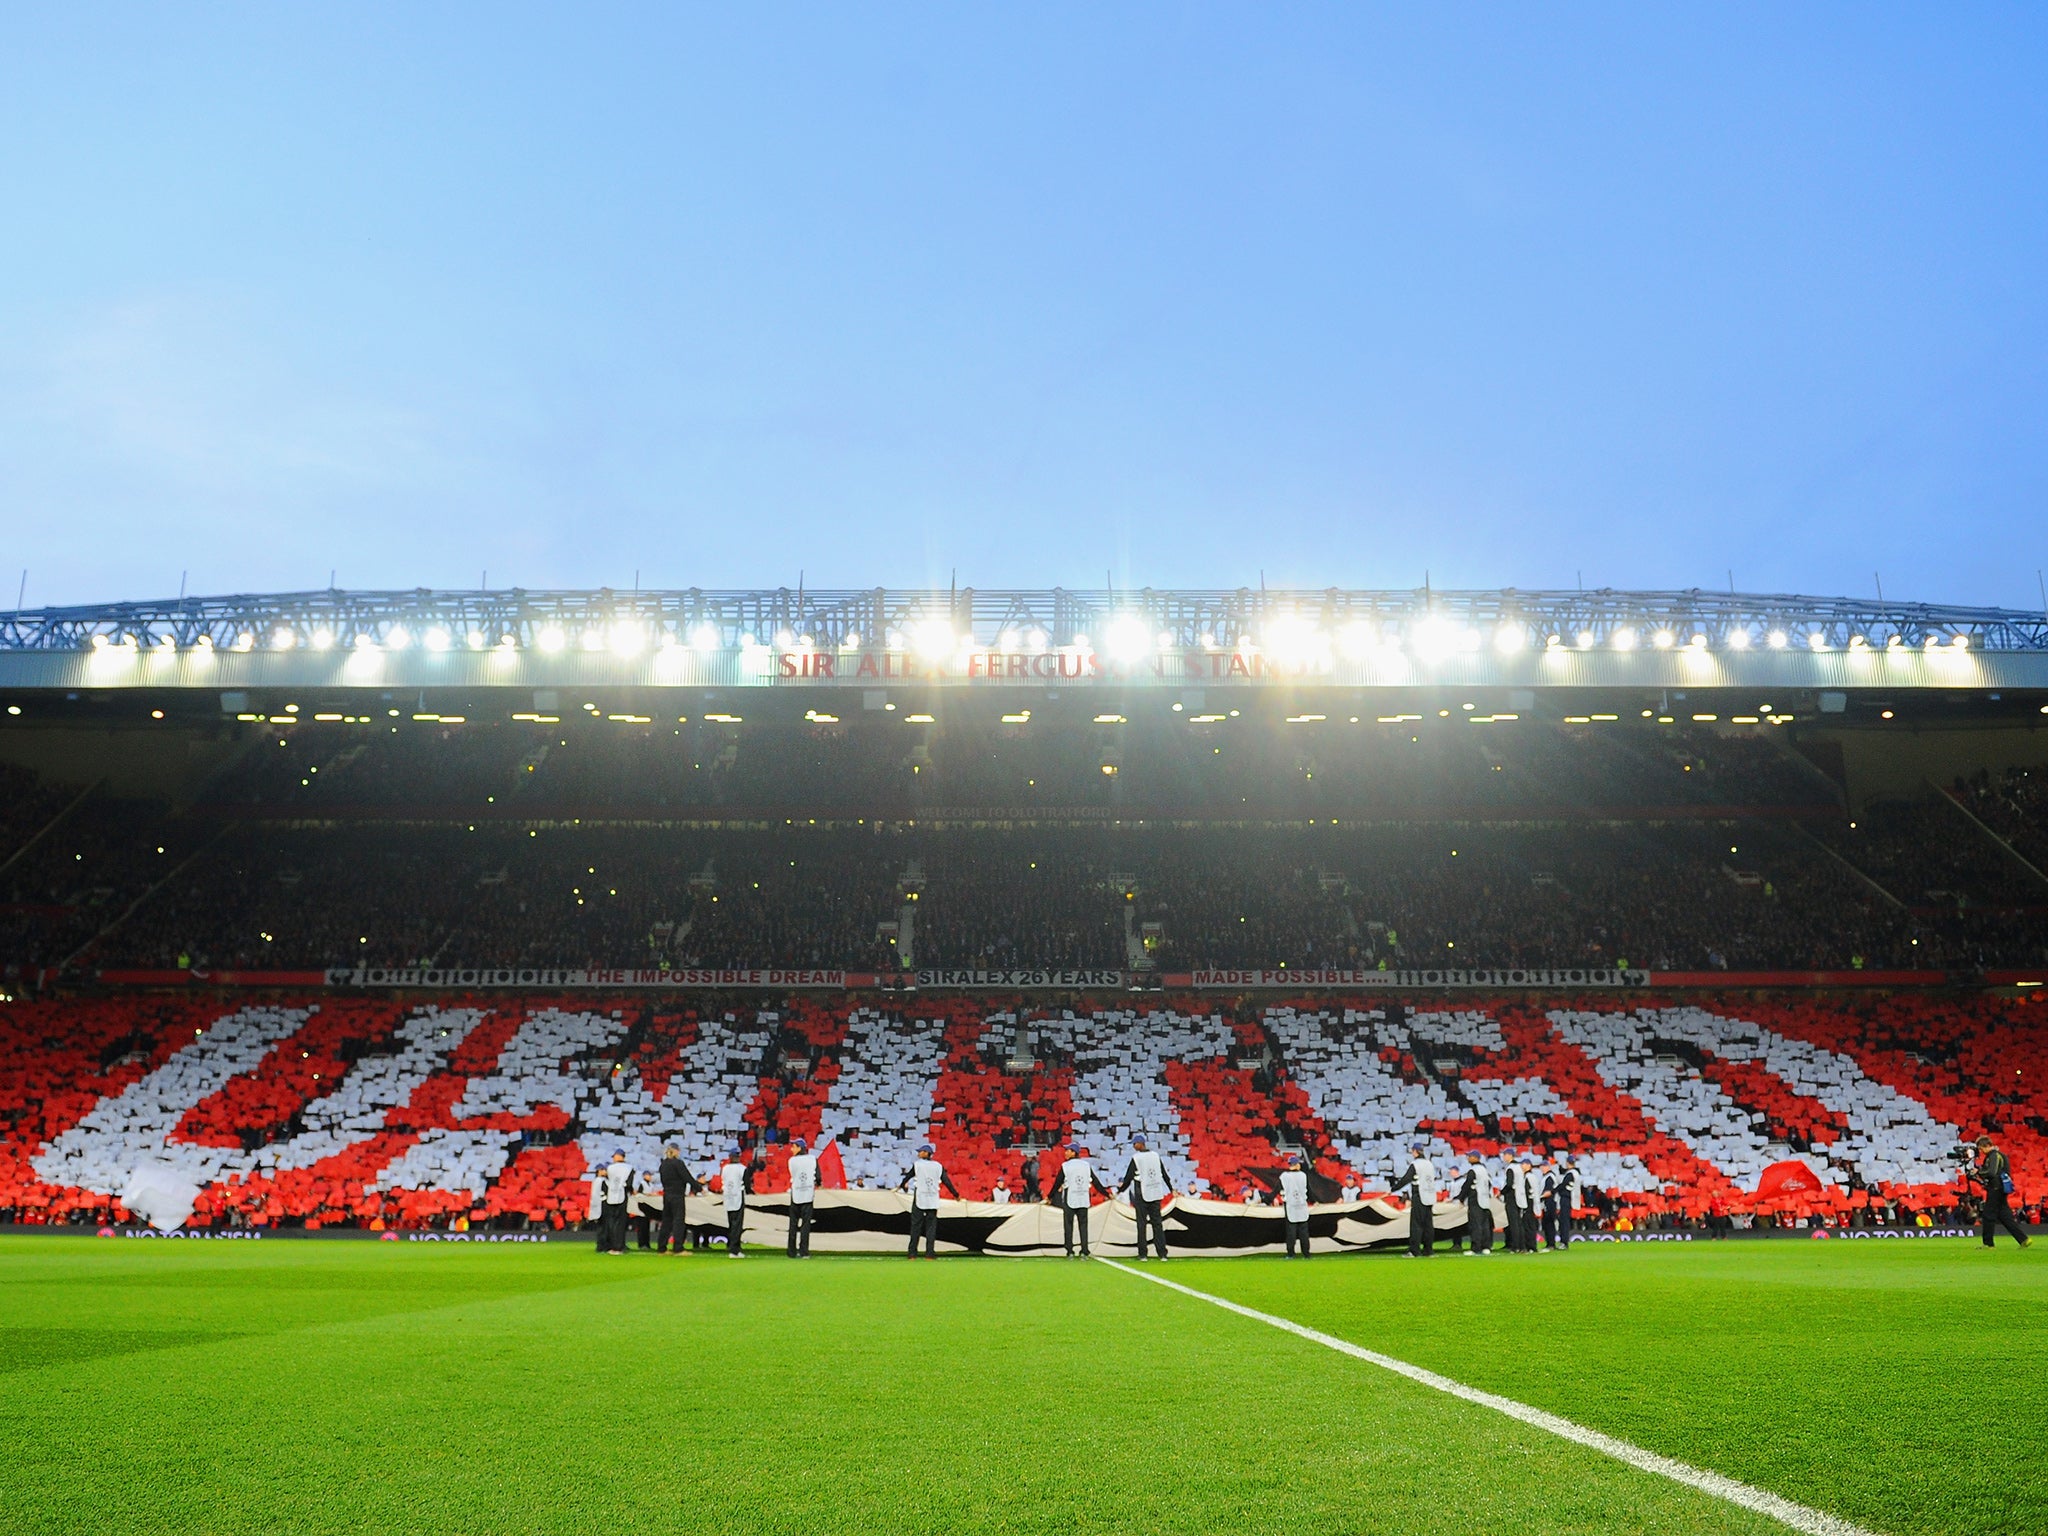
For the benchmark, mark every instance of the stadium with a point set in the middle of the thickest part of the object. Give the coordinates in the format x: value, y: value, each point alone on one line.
x: 372, y: 918
x: 1140, y: 770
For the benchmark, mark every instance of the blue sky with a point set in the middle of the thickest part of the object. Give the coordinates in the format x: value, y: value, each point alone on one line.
x: 1043, y: 295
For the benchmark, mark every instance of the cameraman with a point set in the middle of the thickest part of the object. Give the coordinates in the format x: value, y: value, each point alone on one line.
x: 1996, y: 1174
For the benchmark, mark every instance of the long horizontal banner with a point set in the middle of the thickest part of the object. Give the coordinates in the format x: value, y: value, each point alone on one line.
x: 939, y: 980
x: 1347, y: 980
x: 878, y: 1221
x: 698, y: 979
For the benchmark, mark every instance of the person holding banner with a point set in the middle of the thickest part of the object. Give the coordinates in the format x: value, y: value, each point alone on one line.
x: 732, y: 1184
x: 1420, y: 1180
x: 1078, y: 1180
x: 803, y: 1194
x: 1545, y: 1184
x: 1531, y: 1195
x: 927, y: 1178
x: 1566, y: 1176
x: 1511, y: 1197
x: 1476, y: 1190
x: 1294, y: 1203
x: 609, y: 1193
x: 677, y: 1183
x: 1148, y: 1174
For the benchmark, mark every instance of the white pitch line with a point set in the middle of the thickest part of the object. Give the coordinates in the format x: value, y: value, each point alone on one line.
x: 1798, y: 1516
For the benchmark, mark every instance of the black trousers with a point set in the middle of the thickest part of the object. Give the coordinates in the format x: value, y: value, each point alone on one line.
x: 800, y: 1229
x: 924, y: 1223
x: 1074, y: 1220
x: 611, y: 1228
x: 1421, y: 1229
x: 643, y: 1227
x: 735, y: 1223
x: 1549, y: 1227
x: 1479, y: 1222
x: 1297, y: 1231
x: 1564, y: 1228
x: 672, y: 1228
x: 1148, y: 1211
x: 1998, y: 1213
x: 1514, y: 1237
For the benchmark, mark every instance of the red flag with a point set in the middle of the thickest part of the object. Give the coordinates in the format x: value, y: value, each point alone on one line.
x: 831, y: 1167
x: 1790, y: 1177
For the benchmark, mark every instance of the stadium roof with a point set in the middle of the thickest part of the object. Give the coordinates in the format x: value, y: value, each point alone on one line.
x: 1055, y: 637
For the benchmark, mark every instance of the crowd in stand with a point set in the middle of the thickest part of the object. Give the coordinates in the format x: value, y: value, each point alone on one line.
x: 454, y: 845
x: 2015, y: 806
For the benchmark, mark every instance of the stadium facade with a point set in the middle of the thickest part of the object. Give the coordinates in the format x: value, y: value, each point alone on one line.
x: 1512, y: 641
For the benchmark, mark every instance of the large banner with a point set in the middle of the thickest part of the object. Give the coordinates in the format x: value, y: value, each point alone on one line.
x: 1281, y: 978
x: 878, y: 1221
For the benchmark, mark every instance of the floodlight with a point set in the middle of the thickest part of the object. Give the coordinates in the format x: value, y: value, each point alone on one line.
x: 1624, y: 639
x: 1738, y: 639
x: 593, y: 638
x: 397, y: 638
x: 1777, y: 639
x: 365, y: 642
x: 933, y: 638
x: 474, y: 639
x: 1585, y: 639
x: 1663, y: 639
x: 99, y: 642
x: 323, y: 639
x: 784, y: 639
x: 1698, y: 642
x: 704, y: 637
x: 437, y: 639
x: 1817, y: 640
x: 850, y: 641
x: 1127, y: 638
x: 627, y: 639
x: 552, y: 639
x: 283, y: 640
x: 1509, y: 638
x: 1961, y: 642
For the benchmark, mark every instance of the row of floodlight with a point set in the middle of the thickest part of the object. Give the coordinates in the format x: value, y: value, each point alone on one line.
x: 1127, y: 638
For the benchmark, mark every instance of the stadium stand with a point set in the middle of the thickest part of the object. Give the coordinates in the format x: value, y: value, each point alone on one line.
x: 371, y: 1112
x: 599, y: 844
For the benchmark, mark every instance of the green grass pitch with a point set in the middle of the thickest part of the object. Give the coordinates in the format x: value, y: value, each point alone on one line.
x: 288, y: 1387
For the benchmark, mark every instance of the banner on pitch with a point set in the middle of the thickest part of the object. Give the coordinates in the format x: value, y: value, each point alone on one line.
x: 878, y: 1221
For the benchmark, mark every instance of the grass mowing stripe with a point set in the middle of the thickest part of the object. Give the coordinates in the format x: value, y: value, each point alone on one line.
x: 1813, y: 1522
